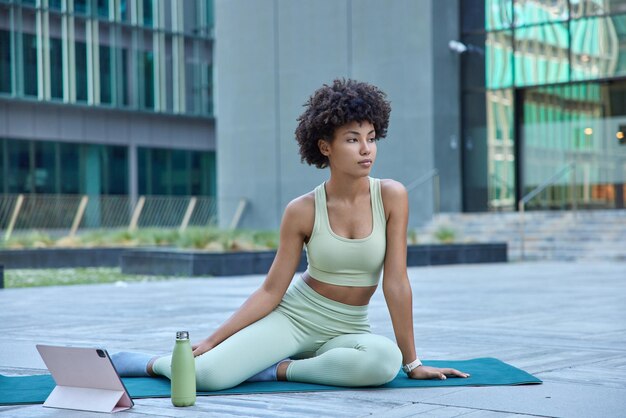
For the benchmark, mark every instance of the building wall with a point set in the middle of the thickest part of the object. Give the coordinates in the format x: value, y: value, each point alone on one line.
x: 83, y: 83
x: 272, y: 54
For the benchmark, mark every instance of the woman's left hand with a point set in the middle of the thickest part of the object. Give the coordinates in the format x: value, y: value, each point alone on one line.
x: 427, y: 372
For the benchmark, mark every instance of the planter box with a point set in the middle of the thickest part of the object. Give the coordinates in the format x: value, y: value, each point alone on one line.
x: 199, y: 263
x: 176, y: 262
x: 46, y: 258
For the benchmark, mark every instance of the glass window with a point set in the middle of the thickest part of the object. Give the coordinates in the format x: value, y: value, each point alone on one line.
x: 498, y: 14
x: 581, y: 8
x: 19, y: 162
x: 598, y: 47
x: 55, y: 4
x: 56, y: 68
x: 541, y: 54
x: 5, y: 62
x: 202, y: 173
x: 81, y: 7
x: 143, y: 170
x: 80, y: 56
x: 160, y: 172
x: 210, y: 19
x: 30, y: 64
x: 191, y: 18
x: 531, y: 12
x: 45, y: 173
x: 576, y: 122
x: 69, y: 173
x: 105, y: 74
x: 169, y: 75
x: 499, y: 59
x: 123, y: 11
x: 103, y: 9
x: 147, y: 13
x: 114, y: 170
x: 180, y: 172
x: 148, y: 79
x: 3, y: 173
x: 81, y: 71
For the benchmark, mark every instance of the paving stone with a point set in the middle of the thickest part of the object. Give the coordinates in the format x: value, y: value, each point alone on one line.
x: 563, y: 321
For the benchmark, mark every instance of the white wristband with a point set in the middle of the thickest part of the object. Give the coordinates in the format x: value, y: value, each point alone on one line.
x: 406, y: 368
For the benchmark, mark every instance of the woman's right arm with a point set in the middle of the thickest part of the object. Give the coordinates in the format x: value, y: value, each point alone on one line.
x: 295, y: 227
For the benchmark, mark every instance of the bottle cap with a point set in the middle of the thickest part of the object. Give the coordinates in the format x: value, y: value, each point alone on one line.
x: 182, y: 335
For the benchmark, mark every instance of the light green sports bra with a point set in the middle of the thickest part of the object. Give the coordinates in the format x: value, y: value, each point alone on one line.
x: 342, y: 261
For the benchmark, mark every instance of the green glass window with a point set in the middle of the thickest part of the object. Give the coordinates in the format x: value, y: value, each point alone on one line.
x: 30, y: 68
x: 531, y: 12
x: 5, y: 62
x: 598, y: 47
x: 498, y: 14
x: 541, y: 54
x: 499, y: 59
x: 594, y: 8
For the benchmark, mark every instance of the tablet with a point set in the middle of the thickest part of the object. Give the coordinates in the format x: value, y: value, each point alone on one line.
x: 85, y: 380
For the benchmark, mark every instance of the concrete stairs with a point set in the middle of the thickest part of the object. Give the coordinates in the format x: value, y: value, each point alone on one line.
x: 549, y: 235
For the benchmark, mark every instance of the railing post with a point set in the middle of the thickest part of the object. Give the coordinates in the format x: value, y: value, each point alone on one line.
x: 573, y: 187
x: 16, y: 212
x: 190, y: 207
x: 436, y: 193
x: 136, y: 213
x: 79, y: 215
x: 237, y: 217
x: 522, y: 228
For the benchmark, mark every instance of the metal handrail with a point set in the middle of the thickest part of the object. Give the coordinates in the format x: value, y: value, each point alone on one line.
x: 430, y: 175
x: 533, y: 193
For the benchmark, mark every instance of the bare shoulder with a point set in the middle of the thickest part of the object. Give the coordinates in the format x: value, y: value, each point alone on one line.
x: 300, y: 214
x: 392, y: 191
x: 302, y: 205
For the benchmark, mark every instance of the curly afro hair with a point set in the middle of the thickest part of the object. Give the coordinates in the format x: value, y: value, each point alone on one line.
x: 330, y: 107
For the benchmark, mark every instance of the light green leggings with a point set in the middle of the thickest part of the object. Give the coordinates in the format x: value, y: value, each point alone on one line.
x: 330, y: 341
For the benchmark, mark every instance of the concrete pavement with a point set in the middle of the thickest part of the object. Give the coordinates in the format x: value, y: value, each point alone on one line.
x: 565, y: 322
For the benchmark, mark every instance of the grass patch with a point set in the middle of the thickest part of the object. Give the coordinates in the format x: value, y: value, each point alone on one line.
x: 209, y: 239
x: 70, y: 276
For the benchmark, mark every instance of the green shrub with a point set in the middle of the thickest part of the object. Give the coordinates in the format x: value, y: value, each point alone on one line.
x: 445, y: 235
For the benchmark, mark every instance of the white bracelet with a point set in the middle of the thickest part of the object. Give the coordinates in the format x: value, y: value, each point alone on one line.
x: 406, y: 368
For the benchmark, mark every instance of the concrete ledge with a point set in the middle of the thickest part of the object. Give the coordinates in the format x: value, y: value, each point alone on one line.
x: 199, y: 263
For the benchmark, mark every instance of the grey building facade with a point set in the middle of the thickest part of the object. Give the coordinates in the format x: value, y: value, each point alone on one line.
x: 272, y: 54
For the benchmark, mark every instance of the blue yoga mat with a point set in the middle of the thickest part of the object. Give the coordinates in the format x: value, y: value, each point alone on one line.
x: 484, y: 372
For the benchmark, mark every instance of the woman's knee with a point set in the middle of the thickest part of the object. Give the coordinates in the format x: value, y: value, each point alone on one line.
x: 381, y: 361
